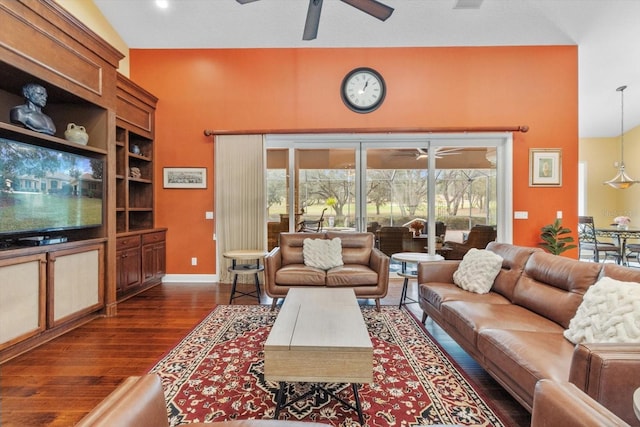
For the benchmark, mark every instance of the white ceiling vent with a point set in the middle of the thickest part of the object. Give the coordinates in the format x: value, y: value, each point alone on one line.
x: 467, y: 4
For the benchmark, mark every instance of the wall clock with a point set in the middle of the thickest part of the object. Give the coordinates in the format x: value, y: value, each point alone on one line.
x: 363, y: 90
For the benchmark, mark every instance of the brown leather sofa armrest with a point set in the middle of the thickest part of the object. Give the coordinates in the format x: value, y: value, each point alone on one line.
x: 563, y: 404
x: 137, y: 402
x: 272, y: 263
x: 437, y: 271
x: 609, y: 374
x: 379, y: 262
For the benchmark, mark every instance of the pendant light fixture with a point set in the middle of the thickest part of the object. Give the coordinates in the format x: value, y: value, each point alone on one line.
x: 621, y: 181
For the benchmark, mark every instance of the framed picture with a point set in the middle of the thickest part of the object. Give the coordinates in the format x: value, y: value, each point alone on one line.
x: 545, y: 167
x: 185, y: 177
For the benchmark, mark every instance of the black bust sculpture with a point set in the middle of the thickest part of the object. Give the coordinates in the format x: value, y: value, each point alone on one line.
x: 30, y: 114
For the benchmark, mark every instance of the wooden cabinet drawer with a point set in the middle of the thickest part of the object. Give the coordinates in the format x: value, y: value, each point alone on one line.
x: 127, y: 242
x: 153, y: 237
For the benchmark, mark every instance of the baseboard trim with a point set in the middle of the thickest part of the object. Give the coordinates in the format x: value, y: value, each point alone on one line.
x: 190, y: 278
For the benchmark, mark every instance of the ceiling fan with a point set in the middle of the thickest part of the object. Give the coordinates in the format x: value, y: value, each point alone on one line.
x: 372, y: 7
x: 440, y: 152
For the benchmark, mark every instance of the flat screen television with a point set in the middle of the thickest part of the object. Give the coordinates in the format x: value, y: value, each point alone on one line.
x: 46, y: 190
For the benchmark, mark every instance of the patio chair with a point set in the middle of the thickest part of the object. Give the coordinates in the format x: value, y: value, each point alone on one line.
x: 479, y: 237
x: 392, y: 240
x: 312, y: 226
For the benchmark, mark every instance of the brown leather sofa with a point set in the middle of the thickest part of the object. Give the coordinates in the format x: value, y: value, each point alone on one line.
x: 515, y: 331
x: 365, y: 269
x: 139, y: 402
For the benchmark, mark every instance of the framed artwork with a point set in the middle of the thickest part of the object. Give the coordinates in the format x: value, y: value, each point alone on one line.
x: 185, y: 177
x: 545, y: 167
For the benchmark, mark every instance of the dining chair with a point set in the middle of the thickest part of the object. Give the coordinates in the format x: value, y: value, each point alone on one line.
x: 633, y: 251
x: 587, y: 241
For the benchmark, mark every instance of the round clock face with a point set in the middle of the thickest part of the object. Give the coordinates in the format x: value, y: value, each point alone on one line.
x: 363, y: 90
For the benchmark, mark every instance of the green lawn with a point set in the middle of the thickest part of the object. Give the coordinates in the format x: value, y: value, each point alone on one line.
x: 33, y: 211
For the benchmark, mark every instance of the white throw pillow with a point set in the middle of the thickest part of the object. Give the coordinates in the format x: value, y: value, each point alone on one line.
x: 477, y: 270
x: 321, y: 253
x: 609, y: 313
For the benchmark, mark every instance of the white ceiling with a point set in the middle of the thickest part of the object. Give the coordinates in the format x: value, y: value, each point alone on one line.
x: 606, y: 31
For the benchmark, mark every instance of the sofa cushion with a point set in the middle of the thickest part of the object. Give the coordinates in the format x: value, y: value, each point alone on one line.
x: 435, y: 293
x: 521, y: 358
x: 300, y: 275
x: 609, y: 313
x: 356, y: 247
x: 514, y: 258
x: 469, y: 318
x: 291, y: 246
x: 352, y: 275
x: 478, y: 270
x: 553, y: 285
x: 322, y: 254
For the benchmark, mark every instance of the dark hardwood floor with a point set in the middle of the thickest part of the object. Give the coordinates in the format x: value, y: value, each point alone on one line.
x: 57, y: 383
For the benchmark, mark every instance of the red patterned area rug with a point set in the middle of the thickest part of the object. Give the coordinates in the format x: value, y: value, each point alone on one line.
x: 216, y: 374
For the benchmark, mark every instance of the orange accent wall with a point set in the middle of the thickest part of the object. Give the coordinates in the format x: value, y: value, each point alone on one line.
x: 245, y: 89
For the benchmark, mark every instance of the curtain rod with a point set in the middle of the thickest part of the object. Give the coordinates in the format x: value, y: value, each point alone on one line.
x: 522, y: 128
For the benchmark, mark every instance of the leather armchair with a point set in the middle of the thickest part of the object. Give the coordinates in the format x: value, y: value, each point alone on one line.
x: 479, y: 237
x: 139, y: 402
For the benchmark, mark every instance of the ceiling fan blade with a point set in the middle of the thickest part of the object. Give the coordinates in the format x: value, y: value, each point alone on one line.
x: 372, y: 7
x: 245, y: 1
x: 313, y: 20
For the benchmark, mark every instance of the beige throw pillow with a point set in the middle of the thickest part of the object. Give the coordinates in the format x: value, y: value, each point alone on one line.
x: 609, y: 313
x: 477, y: 270
x: 322, y: 253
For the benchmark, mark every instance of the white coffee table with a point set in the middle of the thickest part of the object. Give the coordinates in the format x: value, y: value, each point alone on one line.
x: 319, y: 336
x: 411, y: 258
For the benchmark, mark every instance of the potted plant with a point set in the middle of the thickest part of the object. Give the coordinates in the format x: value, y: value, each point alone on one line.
x: 417, y: 227
x: 556, y: 238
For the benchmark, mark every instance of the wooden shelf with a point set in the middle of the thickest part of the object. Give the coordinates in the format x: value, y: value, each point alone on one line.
x: 134, y: 149
x: 78, y: 70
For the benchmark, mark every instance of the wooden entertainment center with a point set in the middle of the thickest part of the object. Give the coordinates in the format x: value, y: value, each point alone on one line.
x: 50, y: 289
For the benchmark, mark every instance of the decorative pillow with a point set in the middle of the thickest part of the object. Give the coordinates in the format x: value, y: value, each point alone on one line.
x: 322, y: 253
x: 609, y: 313
x: 477, y: 270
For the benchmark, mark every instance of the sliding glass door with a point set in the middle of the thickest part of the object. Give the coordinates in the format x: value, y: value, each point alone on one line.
x: 348, y: 183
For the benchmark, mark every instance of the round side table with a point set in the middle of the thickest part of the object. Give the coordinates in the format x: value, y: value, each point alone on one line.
x: 245, y: 268
x: 636, y: 402
x: 411, y: 258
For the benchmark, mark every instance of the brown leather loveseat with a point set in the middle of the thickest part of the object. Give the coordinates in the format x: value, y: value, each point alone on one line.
x: 365, y: 269
x: 515, y: 331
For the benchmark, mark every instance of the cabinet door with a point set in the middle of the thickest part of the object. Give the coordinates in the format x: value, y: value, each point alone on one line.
x: 154, y: 261
x: 22, y: 298
x: 75, y: 285
x: 128, y: 267
x: 161, y: 259
x: 149, y: 262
